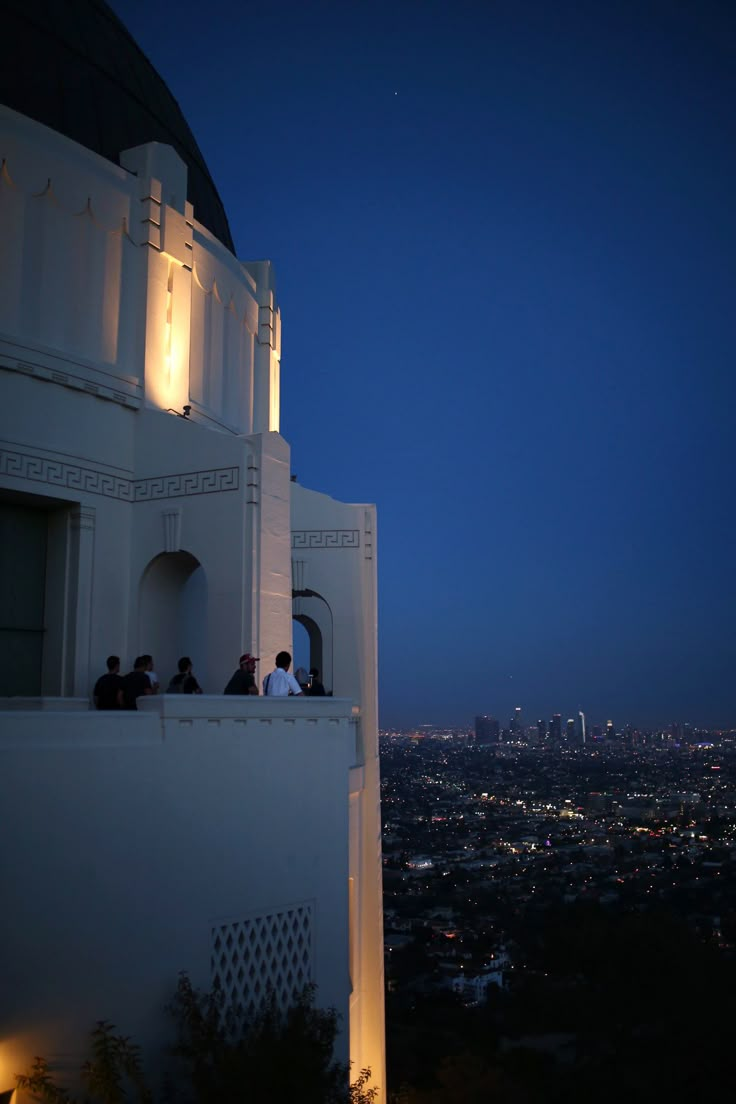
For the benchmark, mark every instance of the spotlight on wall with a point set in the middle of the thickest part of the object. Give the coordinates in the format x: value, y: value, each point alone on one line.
x: 187, y: 411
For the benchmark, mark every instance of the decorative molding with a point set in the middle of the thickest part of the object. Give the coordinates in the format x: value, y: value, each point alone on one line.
x: 73, y: 381
x: 325, y: 538
x: 297, y: 574
x: 172, y: 529
x: 83, y: 517
x: 84, y: 210
x: 246, y: 314
x: 264, y: 955
x: 252, y: 479
x: 186, y: 484
x: 368, y: 535
x: 59, y: 473
x: 89, y: 480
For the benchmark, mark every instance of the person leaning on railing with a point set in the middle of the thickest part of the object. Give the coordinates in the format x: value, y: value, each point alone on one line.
x: 184, y: 682
x: 108, y: 691
x: 244, y: 679
x: 280, y: 684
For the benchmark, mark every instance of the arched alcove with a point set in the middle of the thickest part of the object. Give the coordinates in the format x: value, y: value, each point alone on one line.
x: 172, y: 613
x: 302, y: 648
x: 312, y: 612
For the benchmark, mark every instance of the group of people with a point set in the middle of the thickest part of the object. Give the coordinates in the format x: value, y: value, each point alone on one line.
x: 115, y: 691
x: 280, y: 683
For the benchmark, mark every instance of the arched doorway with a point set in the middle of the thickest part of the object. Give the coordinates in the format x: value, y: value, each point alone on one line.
x: 172, y: 613
x: 313, y: 614
x: 302, y: 646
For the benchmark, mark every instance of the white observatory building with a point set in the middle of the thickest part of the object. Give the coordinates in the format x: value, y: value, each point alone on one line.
x: 146, y: 506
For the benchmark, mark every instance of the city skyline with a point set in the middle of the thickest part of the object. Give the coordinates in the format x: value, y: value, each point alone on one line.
x: 597, y: 728
x: 503, y: 238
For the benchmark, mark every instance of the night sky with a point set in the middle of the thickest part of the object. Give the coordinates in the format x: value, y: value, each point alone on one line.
x: 505, y: 246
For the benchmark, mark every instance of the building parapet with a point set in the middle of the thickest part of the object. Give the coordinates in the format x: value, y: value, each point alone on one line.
x: 56, y: 722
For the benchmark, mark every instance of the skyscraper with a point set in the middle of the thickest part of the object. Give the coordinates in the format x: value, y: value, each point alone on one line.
x: 580, y: 729
x: 487, y: 730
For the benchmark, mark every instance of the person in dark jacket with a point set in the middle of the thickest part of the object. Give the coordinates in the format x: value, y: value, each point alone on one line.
x: 136, y: 684
x: 184, y: 682
x: 244, y: 679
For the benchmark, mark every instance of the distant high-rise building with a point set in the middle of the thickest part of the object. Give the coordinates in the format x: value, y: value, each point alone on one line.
x: 596, y: 733
x: 610, y: 731
x: 487, y: 730
x: 555, y: 729
x: 570, y: 730
x: 542, y: 731
x: 515, y: 724
x: 580, y: 729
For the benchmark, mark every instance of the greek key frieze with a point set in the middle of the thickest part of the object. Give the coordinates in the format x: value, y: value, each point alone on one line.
x: 59, y: 473
x: 78, y: 477
x: 188, y: 483
x: 325, y: 538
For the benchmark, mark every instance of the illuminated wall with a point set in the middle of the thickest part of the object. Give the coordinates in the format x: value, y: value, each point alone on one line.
x: 195, y: 816
x: 334, y: 566
x: 106, y: 269
x: 173, y: 535
x: 117, y: 310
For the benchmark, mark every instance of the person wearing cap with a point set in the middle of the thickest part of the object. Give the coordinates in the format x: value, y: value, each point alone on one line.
x: 244, y: 680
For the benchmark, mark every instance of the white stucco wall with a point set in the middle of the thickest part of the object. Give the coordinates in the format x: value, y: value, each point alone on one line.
x: 134, y: 833
x: 168, y: 317
x: 334, y: 557
x: 172, y: 536
x: 108, y: 280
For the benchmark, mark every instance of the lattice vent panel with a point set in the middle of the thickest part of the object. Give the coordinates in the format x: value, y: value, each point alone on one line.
x: 270, y: 952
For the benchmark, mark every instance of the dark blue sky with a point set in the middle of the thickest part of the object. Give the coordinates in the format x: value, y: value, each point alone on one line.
x: 505, y: 243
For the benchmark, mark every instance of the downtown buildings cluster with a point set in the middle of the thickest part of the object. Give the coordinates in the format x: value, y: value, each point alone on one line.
x: 577, y: 732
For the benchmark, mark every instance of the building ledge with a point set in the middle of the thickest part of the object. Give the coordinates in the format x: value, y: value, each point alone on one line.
x: 59, y: 723
x: 234, y: 707
x: 45, y: 705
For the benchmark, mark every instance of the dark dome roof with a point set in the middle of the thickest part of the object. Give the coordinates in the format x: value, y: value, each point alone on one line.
x: 73, y: 66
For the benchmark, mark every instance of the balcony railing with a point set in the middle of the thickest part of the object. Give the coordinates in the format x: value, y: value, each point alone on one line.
x: 52, y: 721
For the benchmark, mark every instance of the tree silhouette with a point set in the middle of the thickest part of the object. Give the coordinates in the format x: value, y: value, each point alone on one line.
x: 283, y: 1056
